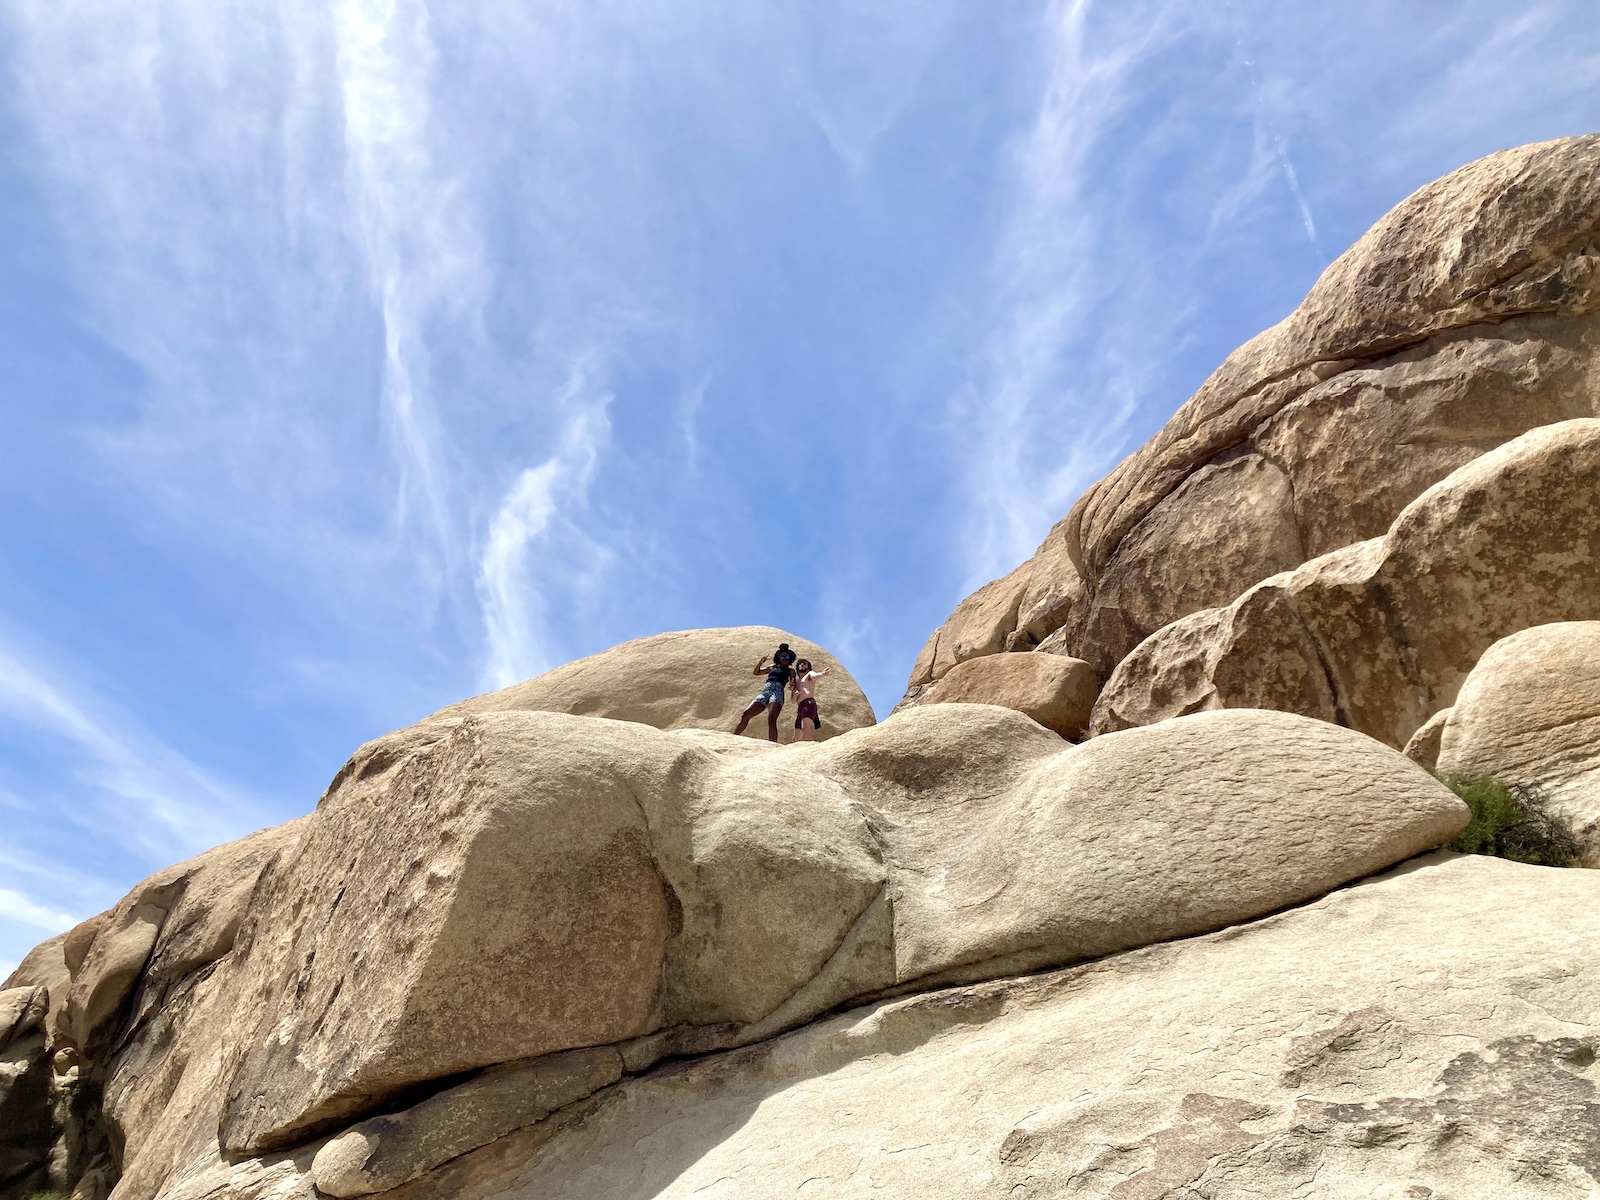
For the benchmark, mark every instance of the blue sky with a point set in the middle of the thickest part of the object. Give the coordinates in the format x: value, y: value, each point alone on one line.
x: 362, y: 355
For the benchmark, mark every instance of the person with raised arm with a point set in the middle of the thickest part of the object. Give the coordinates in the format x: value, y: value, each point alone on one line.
x: 804, y: 687
x: 771, y: 697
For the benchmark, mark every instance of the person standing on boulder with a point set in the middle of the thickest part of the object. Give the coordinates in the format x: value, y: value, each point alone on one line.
x: 771, y: 697
x: 805, y: 691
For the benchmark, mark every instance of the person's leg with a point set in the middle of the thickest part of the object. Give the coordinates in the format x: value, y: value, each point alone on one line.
x: 744, y: 718
x: 772, y: 721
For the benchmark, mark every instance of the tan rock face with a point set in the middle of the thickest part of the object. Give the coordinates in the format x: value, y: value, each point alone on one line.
x: 979, y: 626
x: 1461, y: 320
x: 1529, y: 712
x: 543, y: 882
x: 387, y: 1151
x: 25, y: 1128
x: 1056, y: 691
x: 1228, y: 524
x: 173, y: 923
x: 1053, y: 595
x: 1240, y: 1064
x: 1423, y: 747
x: 45, y: 966
x: 508, y: 867
x: 1379, y: 636
x: 1511, y: 233
x: 22, y: 1011
x: 1014, y: 612
x: 692, y: 679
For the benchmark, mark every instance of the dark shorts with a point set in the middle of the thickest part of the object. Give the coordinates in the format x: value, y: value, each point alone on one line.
x: 808, y: 712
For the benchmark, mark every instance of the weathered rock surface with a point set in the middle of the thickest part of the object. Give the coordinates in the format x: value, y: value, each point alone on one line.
x: 681, y: 890
x: 1464, y: 318
x: 26, y: 1132
x: 691, y: 679
x: 1423, y: 745
x: 172, y: 924
x: 516, y: 887
x: 979, y: 626
x: 1430, y: 1033
x: 1380, y: 635
x: 384, y: 1152
x: 45, y: 966
x: 118, y: 988
x: 1056, y: 691
x: 1529, y: 713
x: 462, y: 975
x: 1054, y: 595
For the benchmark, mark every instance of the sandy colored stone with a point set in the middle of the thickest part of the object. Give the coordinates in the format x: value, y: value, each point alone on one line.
x: 1430, y: 1033
x: 1508, y: 234
x: 546, y: 882
x: 1228, y: 525
x: 1055, y: 691
x: 981, y: 622
x: 1054, y: 591
x: 164, y: 1089
x: 1379, y: 636
x: 26, y: 1131
x: 1362, y: 445
x: 77, y: 940
x: 1464, y: 318
x: 25, y: 1126
x: 1529, y: 713
x: 508, y: 866
x: 384, y: 1152
x: 1423, y: 748
x: 922, y: 669
x: 172, y: 923
x: 1230, y: 812
x: 691, y: 679
x: 22, y: 1011
x: 45, y: 966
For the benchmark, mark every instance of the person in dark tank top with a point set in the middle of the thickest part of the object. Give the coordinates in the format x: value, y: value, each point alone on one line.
x: 771, y: 697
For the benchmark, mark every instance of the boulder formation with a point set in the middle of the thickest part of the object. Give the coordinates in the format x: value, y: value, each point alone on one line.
x: 1529, y: 714
x: 1183, y: 936
x: 1379, y: 636
x: 1325, y: 1043
x: 691, y: 679
x: 1056, y: 691
x: 1466, y: 317
x: 501, y: 913
x: 26, y: 1128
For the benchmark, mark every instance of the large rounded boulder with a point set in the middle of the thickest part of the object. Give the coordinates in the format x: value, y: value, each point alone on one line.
x: 688, y: 679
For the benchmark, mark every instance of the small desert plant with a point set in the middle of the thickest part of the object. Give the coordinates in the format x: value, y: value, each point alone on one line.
x: 1511, y: 820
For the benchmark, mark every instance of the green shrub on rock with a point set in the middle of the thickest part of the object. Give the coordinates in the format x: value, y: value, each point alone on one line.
x: 1511, y: 821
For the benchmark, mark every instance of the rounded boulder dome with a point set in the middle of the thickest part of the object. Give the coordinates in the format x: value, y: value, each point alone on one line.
x: 690, y: 679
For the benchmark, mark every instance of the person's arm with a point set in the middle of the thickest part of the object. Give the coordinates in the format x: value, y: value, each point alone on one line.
x: 761, y: 667
x: 821, y: 673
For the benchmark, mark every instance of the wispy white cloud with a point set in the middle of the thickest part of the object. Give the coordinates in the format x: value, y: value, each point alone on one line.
x: 1530, y: 58
x: 1034, y: 434
x: 857, y: 87
x: 145, y: 797
x: 514, y: 586
x: 416, y: 229
x: 14, y: 906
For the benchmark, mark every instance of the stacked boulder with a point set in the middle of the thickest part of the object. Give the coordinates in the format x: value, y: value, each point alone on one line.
x: 492, y: 916
x: 1467, y: 317
x: 1186, y: 934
